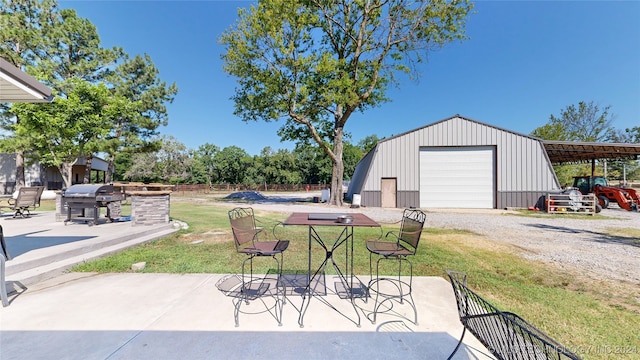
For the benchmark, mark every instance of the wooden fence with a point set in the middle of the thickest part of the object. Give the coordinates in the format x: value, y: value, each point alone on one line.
x: 204, y: 188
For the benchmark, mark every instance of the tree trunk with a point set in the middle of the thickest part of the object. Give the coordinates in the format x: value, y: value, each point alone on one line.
x: 110, y: 170
x: 87, y: 170
x: 337, y: 171
x: 66, y: 170
x: 19, y: 169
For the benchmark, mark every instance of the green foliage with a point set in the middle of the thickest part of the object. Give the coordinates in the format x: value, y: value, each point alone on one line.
x: 313, y: 164
x: 352, y: 154
x: 172, y: 164
x: 134, y: 122
x: 368, y: 143
x: 585, y: 123
x: 60, y: 132
x: 626, y: 169
x: 565, y: 173
x: 232, y: 165
x: 204, y: 159
x: 62, y: 50
x: 314, y: 63
x: 21, y: 35
x: 277, y: 167
x: 631, y: 135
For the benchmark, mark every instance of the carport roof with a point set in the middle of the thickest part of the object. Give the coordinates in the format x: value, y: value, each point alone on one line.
x: 572, y: 152
x: 18, y: 86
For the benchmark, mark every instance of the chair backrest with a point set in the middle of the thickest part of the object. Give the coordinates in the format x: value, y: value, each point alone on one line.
x: 243, y: 226
x: 506, y: 335
x: 39, y: 195
x: 411, y: 227
x: 3, y: 245
x: 28, y: 196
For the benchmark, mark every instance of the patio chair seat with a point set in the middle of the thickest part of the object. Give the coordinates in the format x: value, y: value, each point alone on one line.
x: 387, y: 248
x: 266, y: 248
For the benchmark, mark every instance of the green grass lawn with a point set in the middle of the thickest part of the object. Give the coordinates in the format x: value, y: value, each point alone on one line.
x: 592, y: 317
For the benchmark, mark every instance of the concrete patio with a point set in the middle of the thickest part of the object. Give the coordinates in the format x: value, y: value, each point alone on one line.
x: 61, y: 315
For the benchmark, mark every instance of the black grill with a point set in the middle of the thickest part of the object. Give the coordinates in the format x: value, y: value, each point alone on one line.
x: 85, y: 197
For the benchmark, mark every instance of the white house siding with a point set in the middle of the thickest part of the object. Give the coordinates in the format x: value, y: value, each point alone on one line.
x: 32, y: 174
x: 523, y: 171
x: 36, y: 175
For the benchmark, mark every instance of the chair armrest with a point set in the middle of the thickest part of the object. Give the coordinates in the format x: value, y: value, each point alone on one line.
x: 274, y: 231
x: 259, y: 232
x: 392, y: 233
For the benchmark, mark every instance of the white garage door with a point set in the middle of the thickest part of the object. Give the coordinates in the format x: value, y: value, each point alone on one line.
x: 457, y: 177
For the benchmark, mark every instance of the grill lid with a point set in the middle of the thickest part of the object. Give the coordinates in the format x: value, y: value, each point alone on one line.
x: 88, y: 190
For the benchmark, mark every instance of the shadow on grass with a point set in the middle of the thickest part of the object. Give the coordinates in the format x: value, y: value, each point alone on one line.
x: 594, y: 235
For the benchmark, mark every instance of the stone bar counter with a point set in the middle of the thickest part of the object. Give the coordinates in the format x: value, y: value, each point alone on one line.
x: 149, y: 202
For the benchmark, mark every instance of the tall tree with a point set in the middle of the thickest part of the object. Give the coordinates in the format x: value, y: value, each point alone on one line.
x: 169, y: 164
x: 70, y: 127
x: 205, y: 155
x: 56, y: 46
x: 313, y: 164
x: 232, y: 163
x: 627, y: 169
x: 586, y: 122
x: 173, y: 161
x: 368, y: 143
x: 277, y: 167
x: 352, y: 155
x: 21, y: 41
x: 316, y: 62
x: 135, y: 121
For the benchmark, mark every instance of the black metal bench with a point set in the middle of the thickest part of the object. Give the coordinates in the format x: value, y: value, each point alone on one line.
x: 506, y: 335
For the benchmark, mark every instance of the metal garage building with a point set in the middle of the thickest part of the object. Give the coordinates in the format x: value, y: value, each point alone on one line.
x: 454, y: 163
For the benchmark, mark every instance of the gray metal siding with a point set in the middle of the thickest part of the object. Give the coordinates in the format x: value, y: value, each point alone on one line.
x: 522, y: 165
x: 407, y: 199
x: 360, y: 174
x: 519, y: 199
x: 371, y: 198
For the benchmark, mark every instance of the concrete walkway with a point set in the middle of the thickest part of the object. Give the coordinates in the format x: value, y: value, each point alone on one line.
x: 41, y: 247
x: 168, y: 316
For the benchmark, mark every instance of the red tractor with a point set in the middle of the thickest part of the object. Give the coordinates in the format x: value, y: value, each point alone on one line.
x: 627, y: 198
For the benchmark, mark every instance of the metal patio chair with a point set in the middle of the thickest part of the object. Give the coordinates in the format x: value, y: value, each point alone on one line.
x: 4, y: 256
x: 28, y: 199
x: 396, y: 246
x: 253, y: 241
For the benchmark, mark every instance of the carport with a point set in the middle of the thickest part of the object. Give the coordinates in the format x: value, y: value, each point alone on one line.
x: 565, y: 152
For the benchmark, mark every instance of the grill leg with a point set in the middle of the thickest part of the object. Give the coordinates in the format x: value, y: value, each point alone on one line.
x: 68, y: 214
x: 96, y: 212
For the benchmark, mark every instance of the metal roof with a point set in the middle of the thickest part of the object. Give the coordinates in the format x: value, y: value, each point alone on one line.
x: 573, y: 152
x: 18, y: 86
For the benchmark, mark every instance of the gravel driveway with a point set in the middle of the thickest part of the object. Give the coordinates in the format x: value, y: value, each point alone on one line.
x: 572, y: 243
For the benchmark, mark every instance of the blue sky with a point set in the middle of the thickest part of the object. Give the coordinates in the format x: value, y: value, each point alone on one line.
x: 524, y: 61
